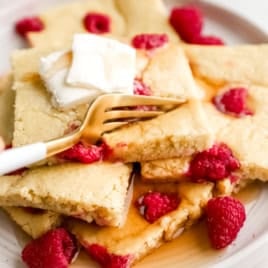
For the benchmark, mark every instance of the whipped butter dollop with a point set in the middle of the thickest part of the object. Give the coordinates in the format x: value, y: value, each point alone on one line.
x: 95, y: 66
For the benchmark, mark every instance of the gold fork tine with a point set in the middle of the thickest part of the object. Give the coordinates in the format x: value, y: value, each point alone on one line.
x: 97, y: 118
x: 120, y: 100
x: 119, y: 114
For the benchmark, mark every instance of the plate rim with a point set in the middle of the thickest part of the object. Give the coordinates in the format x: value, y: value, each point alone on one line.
x: 262, y: 238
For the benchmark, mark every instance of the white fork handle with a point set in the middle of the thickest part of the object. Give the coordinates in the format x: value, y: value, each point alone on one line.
x: 16, y: 158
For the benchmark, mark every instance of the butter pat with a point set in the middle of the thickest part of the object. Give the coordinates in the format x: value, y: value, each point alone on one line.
x: 54, y: 70
x: 103, y: 64
x: 95, y: 66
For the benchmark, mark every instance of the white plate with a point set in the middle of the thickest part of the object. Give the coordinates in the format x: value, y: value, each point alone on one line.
x: 245, y: 251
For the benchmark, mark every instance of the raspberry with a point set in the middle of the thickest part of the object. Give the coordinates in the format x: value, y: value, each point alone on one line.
x: 141, y: 89
x: 154, y: 205
x: 107, y: 260
x: 225, y: 217
x: 97, y: 23
x: 233, y: 102
x: 149, y: 41
x: 187, y: 21
x: 54, y: 249
x: 214, y: 164
x: 83, y: 154
x: 29, y: 24
x: 207, y: 40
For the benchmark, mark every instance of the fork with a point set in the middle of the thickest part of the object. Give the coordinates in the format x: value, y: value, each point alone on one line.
x: 107, y: 113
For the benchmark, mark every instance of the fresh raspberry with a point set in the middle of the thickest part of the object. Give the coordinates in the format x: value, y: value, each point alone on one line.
x: 214, y: 164
x: 54, y: 249
x: 83, y: 154
x: 29, y: 24
x: 154, y: 205
x: 149, y: 41
x: 107, y: 260
x: 233, y: 102
x: 97, y: 23
x: 141, y: 89
x: 207, y: 40
x: 225, y: 217
x: 187, y: 21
